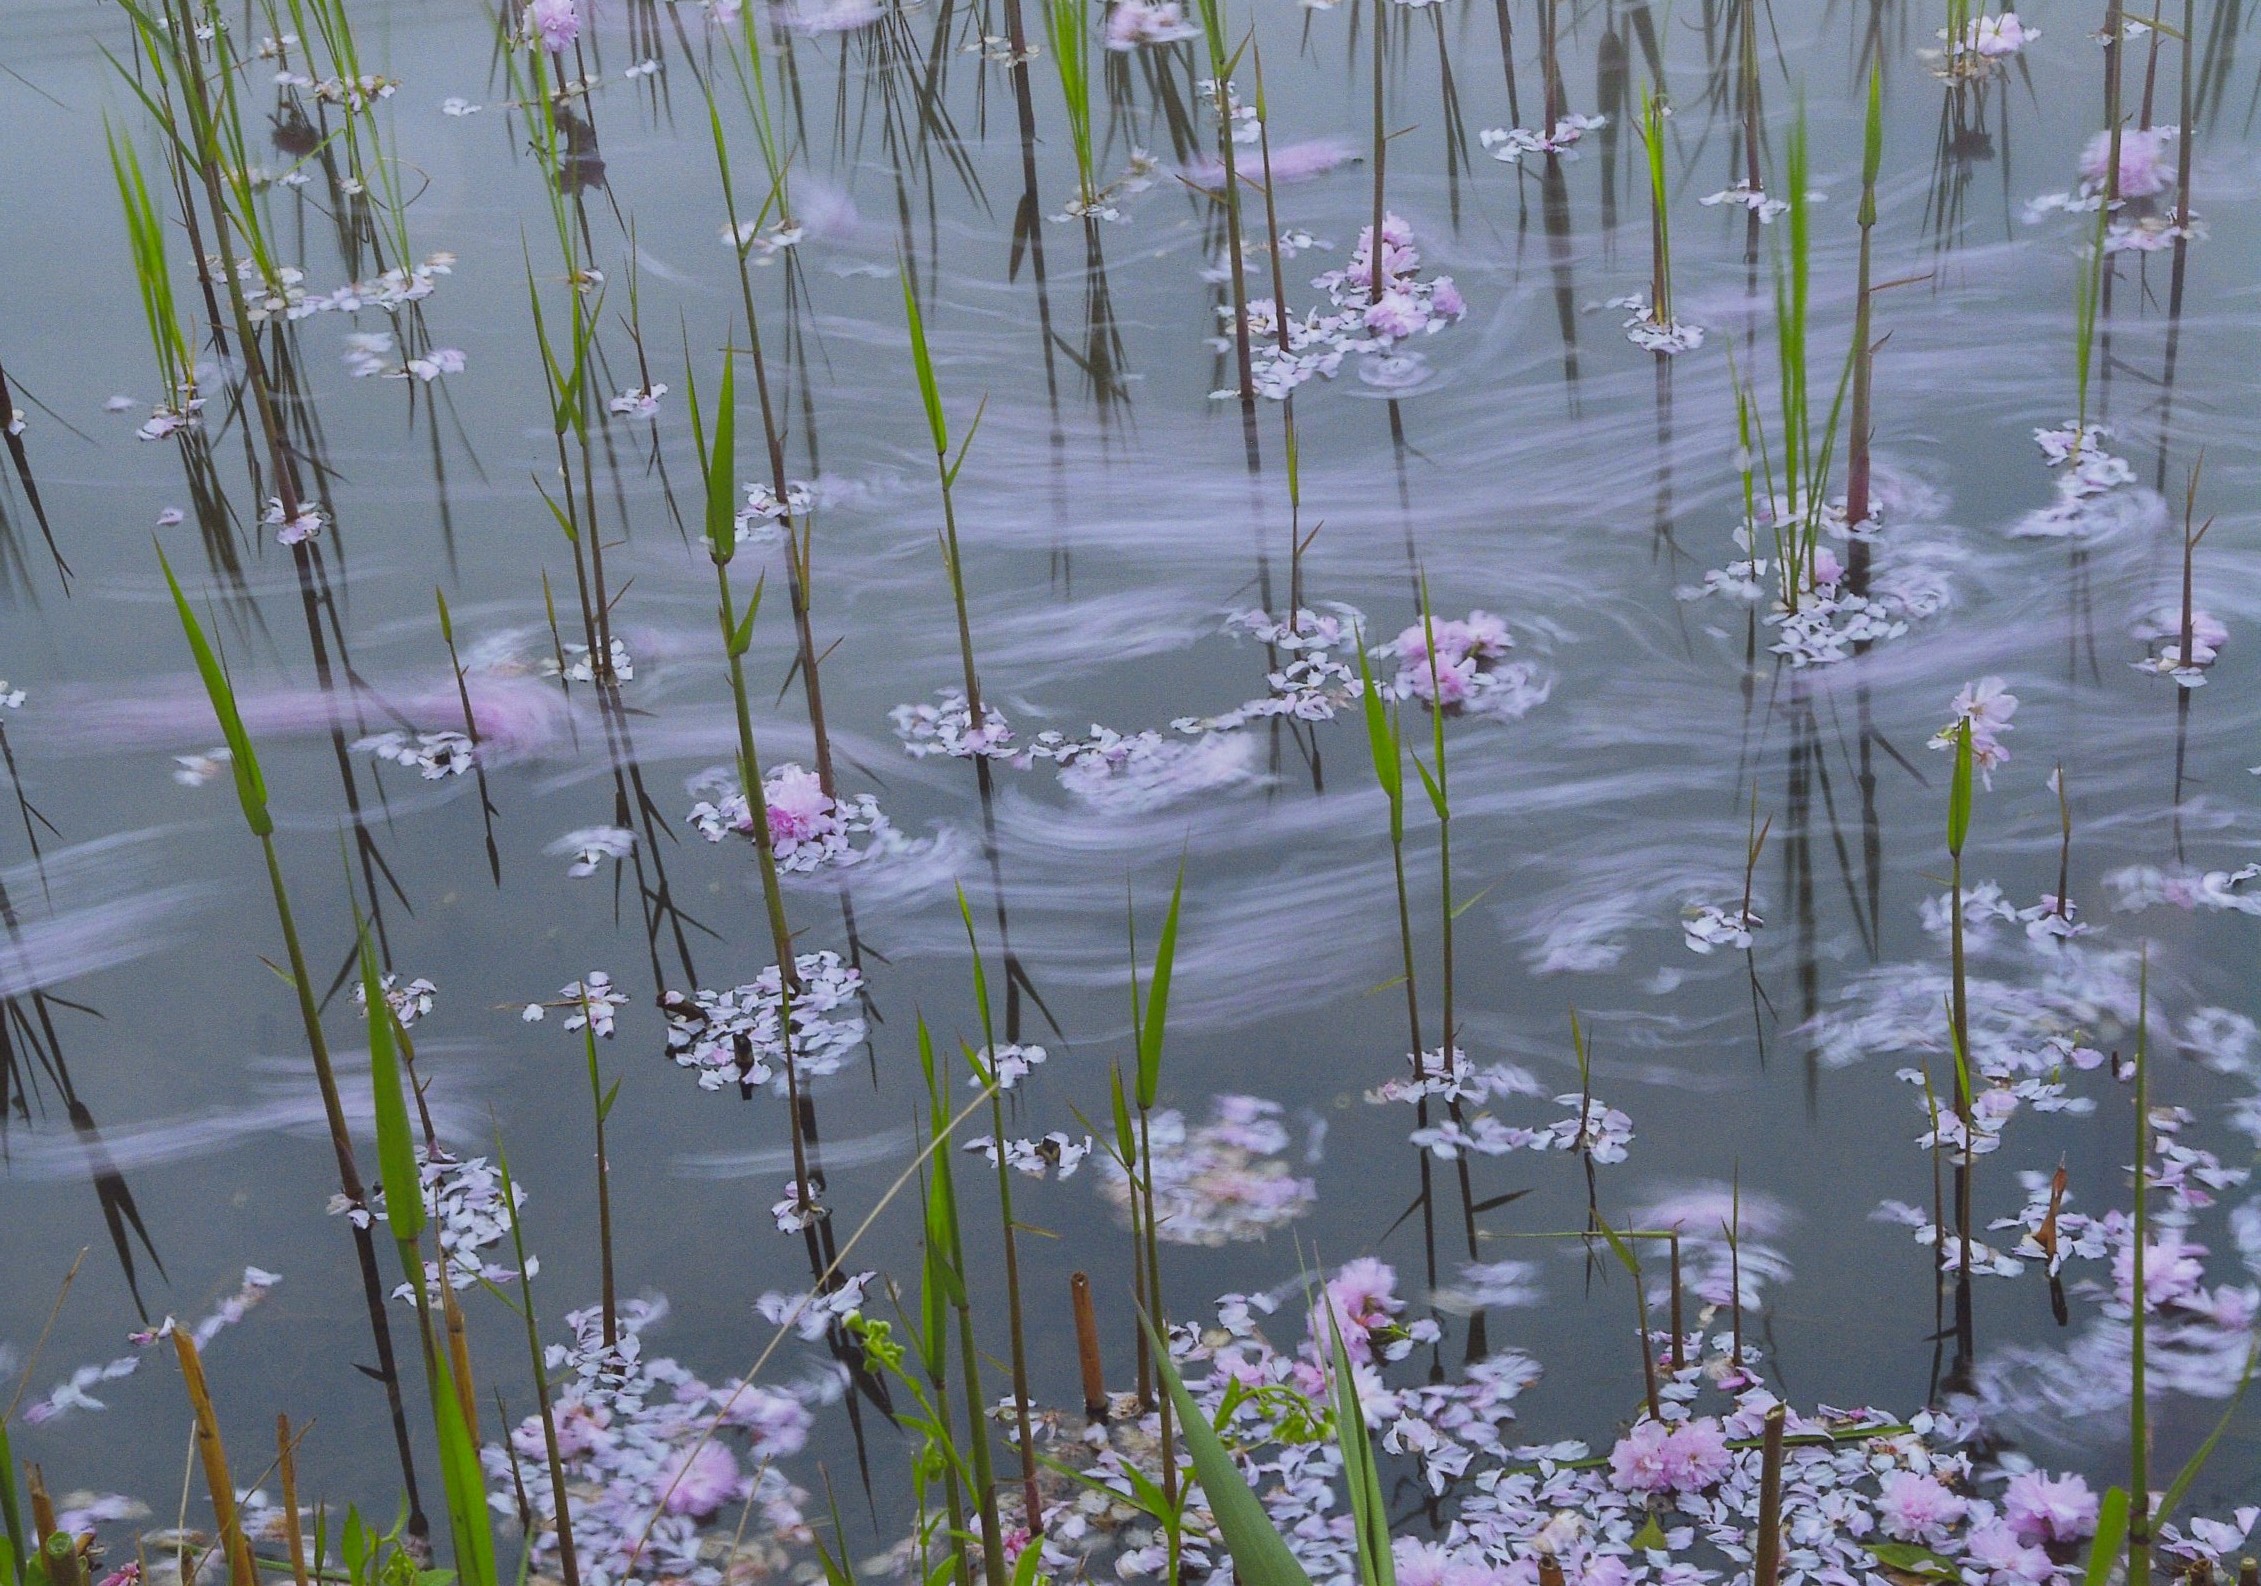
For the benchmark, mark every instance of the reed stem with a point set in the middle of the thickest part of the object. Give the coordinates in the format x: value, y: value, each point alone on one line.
x: 213, y: 1455
x: 1766, y: 1560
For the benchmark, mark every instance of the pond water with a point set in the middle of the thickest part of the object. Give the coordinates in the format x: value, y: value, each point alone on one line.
x: 1627, y: 745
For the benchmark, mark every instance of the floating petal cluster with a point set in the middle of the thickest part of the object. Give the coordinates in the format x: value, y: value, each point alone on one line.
x: 658, y: 1463
x: 1510, y: 144
x: 593, y: 847
x: 431, y: 755
x: 1217, y: 1183
x: 739, y: 1037
x: 1820, y: 617
x: 1372, y: 313
x: 1136, y: 24
x: 591, y: 1001
x: 2096, y: 492
x: 808, y: 829
x: 2141, y: 218
x: 74, y: 1392
x: 1459, y: 665
x: 1144, y: 771
x: 946, y: 727
x: 463, y: 1198
x: 1646, y: 329
x: 1709, y: 927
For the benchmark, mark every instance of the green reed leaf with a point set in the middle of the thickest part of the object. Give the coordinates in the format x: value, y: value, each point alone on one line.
x: 243, y: 760
x: 1260, y: 1555
x: 1158, y: 1001
x: 1872, y: 145
x: 2205, y: 1451
x: 1959, y: 791
x: 396, y: 1145
x: 1126, y: 1138
x: 722, y: 472
x: 929, y: 392
x: 1382, y: 743
x: 11, y: 1511
x: 2111, y: 1534
x: 1370, y: 1515
x: 463, y: 1479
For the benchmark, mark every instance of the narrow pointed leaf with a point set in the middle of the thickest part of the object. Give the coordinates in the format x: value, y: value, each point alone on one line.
x: 1260, y: 1555
x: 1369, y: 1514
x: 251, y: 786
x: 2111, y: 1536
x: 722, y: 472
x: 1126, y: 1138
x: 1959, y: 791
x: 396, y: 1147
x: 1158, y: 1001
x: 929, y: 392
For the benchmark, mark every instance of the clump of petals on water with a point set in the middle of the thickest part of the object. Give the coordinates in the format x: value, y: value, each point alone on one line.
x: 808, y: 829
x: 591, y: 1002
x: 1646, y: 329
x: 1218, y: 1183
x: 737, y: 1036
x: 1460, y: 665
x: 1376, y: 325
x: 1135, y: 24
x: 592, y: 846
x: 1744, y: 196
x: 1709, y: 927
x: 432, y: 755
x: 1510, y: 144
x: 661, y: 1464
x: 553, y: 24
x: 946, y: 727
x: 1987, y: 705
x: 1130, y: 775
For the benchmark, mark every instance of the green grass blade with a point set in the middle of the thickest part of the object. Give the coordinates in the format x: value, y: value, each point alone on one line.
x: 464, y: 1480
x: 1126, y: 1138
x: 11, y: 1511
x: 2111, y: 1533
x: 396, y: 1148
x: 722, y: 485
x: 1370, y: 1516
x: 1959, y: 791
x: 1260, y: 1555
x: 1158, y: 1000
x: 980, y: 987
x: 2205, y: 1451
x: 1381, y: 742
x: 929, y: 392
x: 251, y: 787
x: 1872, y: 145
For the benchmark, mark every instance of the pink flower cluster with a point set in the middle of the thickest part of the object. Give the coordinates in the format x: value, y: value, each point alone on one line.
x: 1678, y: 1456
x: 1135, y: 23
x: 1359, y: 321
x: 1988, y: 706
x: 1915, y: 1506
x: 554, y: 24
x: 2041, y: 1508
x: 1408, y: 306
x: 2147, y: 166
x: 1469, y: 672
x: 799, y: 809
x: 1363, y: 1297
x: 809, y: 830
x: 652, y: 1454
x: 1464, y: 646
x: 1222, y: 1182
